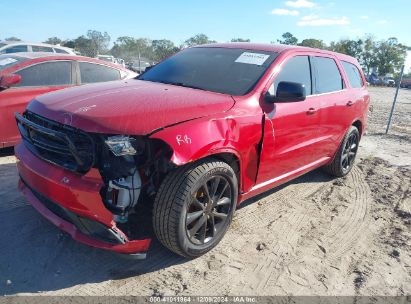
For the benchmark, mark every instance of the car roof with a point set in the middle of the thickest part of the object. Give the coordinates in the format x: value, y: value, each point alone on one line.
x: 276, y: 48
x: 32, y: 43
x: 44, y: 56
x: 33, y: 55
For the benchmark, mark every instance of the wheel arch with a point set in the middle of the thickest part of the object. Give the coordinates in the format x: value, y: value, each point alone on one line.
x: 359, y: 125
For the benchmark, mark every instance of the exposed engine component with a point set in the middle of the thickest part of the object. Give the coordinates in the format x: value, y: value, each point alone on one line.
x: 122, y: 195
x: 132, y: 168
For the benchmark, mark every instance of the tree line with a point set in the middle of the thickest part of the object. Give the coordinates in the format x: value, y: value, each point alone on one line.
x: 385, y: 56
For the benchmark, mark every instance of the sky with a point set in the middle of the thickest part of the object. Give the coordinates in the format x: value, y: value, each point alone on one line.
x: 259, y: 20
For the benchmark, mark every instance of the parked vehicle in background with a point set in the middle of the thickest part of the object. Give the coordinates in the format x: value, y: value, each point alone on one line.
x: 26, y: 75
x: 107, y: 58
x: 8, y: 47
x: 139, y: 65
x: 121, y: 62
x: 187, y: 142
x: 374, y: 80
x: 405, y: 83
x: 388, y: 80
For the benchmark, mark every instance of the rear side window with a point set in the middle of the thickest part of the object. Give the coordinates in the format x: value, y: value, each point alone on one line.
x: 60, y: 51
x: 91, y: 73
x: 15, y: 49
x: 36, y: 48
x: 328, y: 77
x: 46, y: 74
x: 353, y: 74
x: 297, y: 69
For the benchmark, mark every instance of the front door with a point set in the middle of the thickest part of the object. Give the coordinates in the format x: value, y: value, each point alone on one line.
x: 291, y: 129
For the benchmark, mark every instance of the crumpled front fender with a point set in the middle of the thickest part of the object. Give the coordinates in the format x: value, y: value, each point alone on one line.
x: 199, y: 138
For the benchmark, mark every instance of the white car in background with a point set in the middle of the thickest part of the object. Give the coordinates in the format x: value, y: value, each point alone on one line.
x: 107, y: 58
x: 112, y: 59
x: 7, y: 47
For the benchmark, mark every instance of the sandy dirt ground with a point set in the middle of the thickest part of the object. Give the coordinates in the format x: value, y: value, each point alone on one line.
x: 312, y: 236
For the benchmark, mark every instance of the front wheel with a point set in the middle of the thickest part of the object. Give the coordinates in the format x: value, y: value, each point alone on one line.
x: 344, y: 159
x: 194, y: 207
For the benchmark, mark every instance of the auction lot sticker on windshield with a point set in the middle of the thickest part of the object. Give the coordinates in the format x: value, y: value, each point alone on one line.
x: 7, y: 61
x: 252, y: 58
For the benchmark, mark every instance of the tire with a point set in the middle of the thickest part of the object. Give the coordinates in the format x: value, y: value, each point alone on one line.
x: 344, y: 159
x: 185, y: 202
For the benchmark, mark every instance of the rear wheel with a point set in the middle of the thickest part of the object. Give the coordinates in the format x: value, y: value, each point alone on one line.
x: 194, y: 207
x: 345, y: 156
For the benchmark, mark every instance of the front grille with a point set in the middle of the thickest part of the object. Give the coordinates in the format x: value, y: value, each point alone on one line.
x: 56, y: 143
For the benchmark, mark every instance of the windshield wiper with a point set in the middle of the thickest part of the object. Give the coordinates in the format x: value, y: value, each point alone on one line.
x: 181, y: 84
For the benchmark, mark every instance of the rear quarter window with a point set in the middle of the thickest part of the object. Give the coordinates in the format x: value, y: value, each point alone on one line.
x: 353, y: 74
x: 328, y: 77
x: 60, y: 51
x: 36, y: 48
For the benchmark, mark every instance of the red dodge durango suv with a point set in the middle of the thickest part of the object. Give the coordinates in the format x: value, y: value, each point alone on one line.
x: 173, y: 152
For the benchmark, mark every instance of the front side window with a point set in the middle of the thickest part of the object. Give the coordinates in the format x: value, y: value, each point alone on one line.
x: 297, y: 69
x: 353, y: 74
x: 223, y: 70
x: 90, y: 73
x: 36, y: 48
x: 15, y: 49
x: 328, y: 77
x: 46, y: 74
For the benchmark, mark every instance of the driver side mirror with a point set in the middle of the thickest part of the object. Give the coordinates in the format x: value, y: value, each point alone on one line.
x: 9, y: 80
x: 287, y: 92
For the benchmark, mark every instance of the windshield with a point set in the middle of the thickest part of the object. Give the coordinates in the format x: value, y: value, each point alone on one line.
x: 2, y: 44
x: 222, y: 70
x: 7, y: 61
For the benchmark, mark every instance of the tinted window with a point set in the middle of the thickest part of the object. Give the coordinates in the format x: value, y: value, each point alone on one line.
x: 328, y: 76
x: 297, y: 69
x: 223, y: 70
x: 97, y: 73
x: 46, y: 74
x: 61, y: 51
x: 15, y: 49
x: 353, y: 74
x: 36, y: 48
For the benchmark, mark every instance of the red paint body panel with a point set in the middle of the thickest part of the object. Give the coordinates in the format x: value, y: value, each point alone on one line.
x: 273, y: 143
x: 16, y: 99
x: 79, y: 194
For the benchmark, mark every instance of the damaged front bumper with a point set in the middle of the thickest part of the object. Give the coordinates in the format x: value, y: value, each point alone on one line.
x: 72, y: 202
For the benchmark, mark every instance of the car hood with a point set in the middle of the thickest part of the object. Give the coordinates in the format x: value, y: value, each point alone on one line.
x: 132, y: 107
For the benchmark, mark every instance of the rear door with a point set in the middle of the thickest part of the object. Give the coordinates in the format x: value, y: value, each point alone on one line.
x: 37, y: 79
x: 291, y: 129
x: 331, y: 95
x: 358, y: 97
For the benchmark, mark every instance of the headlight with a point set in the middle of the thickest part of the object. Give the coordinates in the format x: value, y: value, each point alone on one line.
x: 121, y: 145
